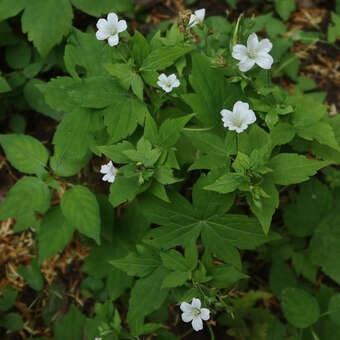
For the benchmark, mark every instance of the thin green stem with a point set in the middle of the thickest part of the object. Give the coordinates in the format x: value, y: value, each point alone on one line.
x: 198, y: 129
x: 212, y: 335
x: 236, y: 142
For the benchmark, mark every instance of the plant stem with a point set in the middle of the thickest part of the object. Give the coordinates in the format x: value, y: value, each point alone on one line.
x: 236, y: 142
x: 212, y: 335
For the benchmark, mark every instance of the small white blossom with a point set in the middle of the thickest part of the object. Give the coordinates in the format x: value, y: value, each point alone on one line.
x: 256, y: 52
x: 109, y: 29
x: 197, y: 17
x: 238, y: 119
x: 110, y: 172
x: 168, y: 83
x: 194, y: 313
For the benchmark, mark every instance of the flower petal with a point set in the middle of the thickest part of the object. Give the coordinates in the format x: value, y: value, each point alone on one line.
x: 162, y: 77
x: 240, y: 106
x: 102, y: 24
x: 112, y: 18
x: 205, y: 314
x: 187, y: 317
x: 102, y: 35
x: 196, y: 303
x: 239, y: 52
x: 176, y: 83
x: 121, y: 26
x: 197, y: 324
x: 264, y: 60
x: 186, y: 307
x: 113, y: 40
x: 193, y: 20
x: 264, y: 46
x: 246, y: 64
x: 200, y: 14
x: 252, y: 42
x: 172, y: 78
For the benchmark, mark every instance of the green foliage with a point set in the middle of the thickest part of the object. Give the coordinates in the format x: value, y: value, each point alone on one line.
x: 241, y: 220
x: 299, y: 308
x: 26, y: 153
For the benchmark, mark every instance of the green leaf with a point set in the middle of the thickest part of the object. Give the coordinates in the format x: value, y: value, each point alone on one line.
x: 285, y: 8
x: 225, y: 275
x: 28, y: 196
x: 221, y: 248
x: 227, y: 183
x: 71, y: 141
x: 36, y: 99
x: 321, y: 132
x: 70, y: 326
x: 25, y: 153
x: 139, y: 264
x: 334, y: 28
x: 310, y: 206
x: 281, y: 276
x: 12, y: 322
x: 163, y: 57
x: 293, y: 168
x: 86, y: 51
x: 18, y: 56
x: 208, y: 84
x: 146, y: 297
x: 175, y: 279
x: 174, y: 260
x: 4, y: 86
x: 122, y: 117
x: 181, y: 226
x: 265, y: 207
x: 123, y: 189
x: 116, y: 152
x: 334, y: 308
x: 140, y: 48
x: 299, y: 308
x: 44, y: 32
x: 103, y: 7
x: 325, y: 245
x: 208, y: 203
x: 53, y: 226
x: 81, y: 209
x: 32, y: 275
x: 9, y: 9
x: 7, y: 299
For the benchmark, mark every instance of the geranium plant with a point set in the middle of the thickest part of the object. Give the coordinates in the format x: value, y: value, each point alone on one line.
x: 196, y: 151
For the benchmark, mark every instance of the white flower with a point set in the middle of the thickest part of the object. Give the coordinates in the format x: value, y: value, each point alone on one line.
x: 238, y: 119
x: 109, y: 29
x: 110, y: 172
x: 194, y: 313
x: 197, y: 17
x: 168, y: 83
x: 256, y: 52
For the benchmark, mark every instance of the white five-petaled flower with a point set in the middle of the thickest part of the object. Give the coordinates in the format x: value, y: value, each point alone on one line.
x: 194, y: 313
x: 110, y: 172
x: 238, y: 119
x: 168, y: 83
x: 197, y: 17
x: 109, y: 29
x: 256, y: 52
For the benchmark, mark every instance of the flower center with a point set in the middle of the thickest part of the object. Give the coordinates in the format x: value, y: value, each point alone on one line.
x: 237, y: 123
x: 251, y: 54
x: 113, y: 30
x: 196, y: 312
x: 168, y: 84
